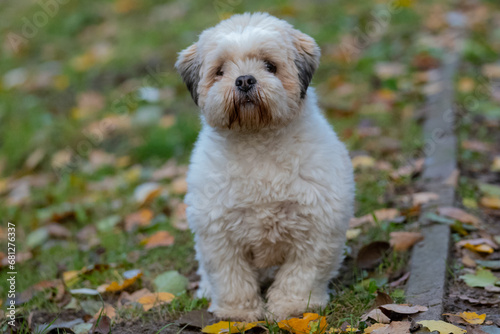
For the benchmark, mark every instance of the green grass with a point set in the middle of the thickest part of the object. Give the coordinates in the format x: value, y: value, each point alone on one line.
x: 144, y: 43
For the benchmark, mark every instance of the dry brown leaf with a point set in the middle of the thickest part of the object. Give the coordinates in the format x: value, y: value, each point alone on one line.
x: 459, y: 215
x: 382, y: 299
x: 491, y: 71
x: 58, y: 231
x: 477, y: 242
x: 376, y: 315
x: 100, y: 158
x: 89, y: 102
x: 476, y: 146
x: 418, y: 199
x: 179, y: 219
x: 381, y: 215
x: 395, y: 327
x: 452, y: 180
x: 107, y: 310
x: 159, y: 239
x: 402, y: 241
x: 466, y: 85
x: 126, y: 298
x: 403, y: 308
x: 103, y: 326
x: 125, y: 6
x: 167, y: 171
x: 400, y: 280
x: 387, y: 70
x: 140, y: 218
x: 370, y: 255
x: 468, y: 261
x: 409, y: 169
x: 34, y: 158
x: 179, y: 186
x: 372, y: 328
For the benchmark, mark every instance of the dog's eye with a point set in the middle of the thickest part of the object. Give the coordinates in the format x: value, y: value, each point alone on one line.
x: 220, y: 72
x: 270, y: 67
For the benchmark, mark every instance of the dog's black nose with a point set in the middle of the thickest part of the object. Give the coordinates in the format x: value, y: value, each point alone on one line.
x: 245, y: 82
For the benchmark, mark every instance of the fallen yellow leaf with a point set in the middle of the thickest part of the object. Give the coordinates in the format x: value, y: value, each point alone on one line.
x: 473, y: 317
x: 70, y: 278
x: 362, y: 161
x: 304, y: 325
x: 482, y: 248
x: 353, y: 233
x: 495, y: 166
x: 490, y: 202
x: 348, y: 329
x: 229, y: 327
x: 442, y: 327
x: 155, y: 299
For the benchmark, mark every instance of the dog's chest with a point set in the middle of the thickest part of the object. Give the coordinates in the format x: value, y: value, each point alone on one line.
x: 265, y: 203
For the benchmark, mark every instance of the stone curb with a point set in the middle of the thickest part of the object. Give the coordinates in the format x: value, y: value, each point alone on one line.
x: 429, y: 261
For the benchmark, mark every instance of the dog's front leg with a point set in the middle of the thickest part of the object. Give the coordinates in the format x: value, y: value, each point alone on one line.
x: 302, y: 281
x: 233, y: 281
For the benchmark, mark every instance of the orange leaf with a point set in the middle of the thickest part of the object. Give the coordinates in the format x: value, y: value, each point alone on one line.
x: 155, y: 299
x: 140, y: 218
x: 304, y: 325
x: 160, y: 238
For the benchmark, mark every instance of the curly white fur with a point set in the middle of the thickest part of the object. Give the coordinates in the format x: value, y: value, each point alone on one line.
x: 275, y: 193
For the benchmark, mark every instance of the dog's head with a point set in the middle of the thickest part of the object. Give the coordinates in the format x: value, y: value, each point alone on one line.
x: 250, y: 71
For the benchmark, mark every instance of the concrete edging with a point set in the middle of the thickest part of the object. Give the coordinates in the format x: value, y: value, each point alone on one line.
x: 429, y: 262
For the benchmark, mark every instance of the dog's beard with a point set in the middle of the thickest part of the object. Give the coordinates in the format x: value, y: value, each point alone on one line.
x: 247, y: 110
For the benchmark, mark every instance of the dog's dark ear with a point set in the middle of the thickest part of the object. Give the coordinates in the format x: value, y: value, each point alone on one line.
x: 188, y: 65
x: 307, y: 59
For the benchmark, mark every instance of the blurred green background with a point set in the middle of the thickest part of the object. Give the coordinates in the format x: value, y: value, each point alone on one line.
x: 91, y: 110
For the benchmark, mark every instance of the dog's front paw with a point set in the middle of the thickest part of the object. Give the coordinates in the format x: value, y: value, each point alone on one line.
x: 238, y: 314
x: 283, y: 308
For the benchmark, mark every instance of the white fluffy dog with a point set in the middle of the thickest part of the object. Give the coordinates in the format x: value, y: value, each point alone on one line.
x: 270, y: 186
